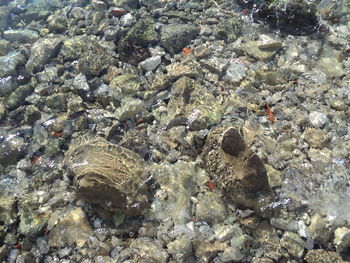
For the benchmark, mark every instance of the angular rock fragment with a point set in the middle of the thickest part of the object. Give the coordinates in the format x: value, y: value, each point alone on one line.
x: 73, y: 228
x: 108, y: 175
x: 237, y: 169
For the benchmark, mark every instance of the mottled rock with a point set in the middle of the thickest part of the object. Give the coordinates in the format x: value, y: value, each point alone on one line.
x: 124, y: 85
x: 178, y: 182
x: 235, y: 72
x: 206, y: 250
x: 142, y: 33
x: 268, y: 241
x: 21, y: 35
x: 227, y: 29
x: 31, y: 114
x: 58, y: 101
x: 147, y: 248
x: 342, y: 239
x: 175, y: 37
x: 180, y: 249
x: 8, y: 212
x: 108, y: 175
x: 316, y: 138
x: 72, y: 229
x: 192, y: 105
x: 18, y: 96
x: 211, y: 208
x: 232, y: 142
x: 41, y: 52
x: 323, y: 256
x: 177, y: 70
x: 10, y: 62
x: 293, y: 243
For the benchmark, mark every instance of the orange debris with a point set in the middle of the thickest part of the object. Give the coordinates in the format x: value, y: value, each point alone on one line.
x: 186, y: 51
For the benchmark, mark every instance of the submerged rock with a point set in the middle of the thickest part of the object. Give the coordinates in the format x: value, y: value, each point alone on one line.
x: 109, y: 175
x: 72, y: 229
x: 237, y: 169
x: 289, y: 17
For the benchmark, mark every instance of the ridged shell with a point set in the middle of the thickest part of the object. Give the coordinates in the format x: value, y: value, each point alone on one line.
x: 108, y: 174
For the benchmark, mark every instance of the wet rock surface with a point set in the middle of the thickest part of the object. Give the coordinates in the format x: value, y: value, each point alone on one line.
x: 174, y: 131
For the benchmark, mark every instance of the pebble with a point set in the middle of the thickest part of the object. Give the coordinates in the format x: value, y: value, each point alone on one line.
x: 151, y: 63
x: 318, y: 119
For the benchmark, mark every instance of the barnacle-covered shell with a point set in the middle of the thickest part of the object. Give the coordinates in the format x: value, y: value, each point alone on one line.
x: 108, y: 174
x: 237, y: 169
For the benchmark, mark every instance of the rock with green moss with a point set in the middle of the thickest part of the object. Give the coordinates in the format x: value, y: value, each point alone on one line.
x: 18, y: 96
x: 227, y: 29
x: 124, y: 85
x: 8, y: 212
x: 175, y: 37
x: 143, y: 32
x: 94, y: 56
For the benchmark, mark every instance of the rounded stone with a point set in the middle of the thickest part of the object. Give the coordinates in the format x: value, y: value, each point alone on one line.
x: 232, y: 142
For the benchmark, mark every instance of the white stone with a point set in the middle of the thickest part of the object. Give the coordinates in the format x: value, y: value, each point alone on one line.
x: 151, y: 63
x: 127, y: 20
x: 318, y: 119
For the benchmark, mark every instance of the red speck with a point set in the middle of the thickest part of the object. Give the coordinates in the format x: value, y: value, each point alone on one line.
x: 211, y: 185
x: 271, y: 117
x: 118, y: 12
x: 17, y: 246
x: 46, y: 232
x: 58, y: 134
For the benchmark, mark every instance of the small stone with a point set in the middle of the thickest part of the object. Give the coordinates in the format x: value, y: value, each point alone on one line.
x: 206, y: 250
x: 7, y: 210
x: 180, y: 249
x: 10, y: 62
x: 21, y: 35
x: 232, y: 142
x: 211, y: 208
x: 73, y: 228
x: 2, y: 110
x: 224, y: 233
x: 293, y: 243
x: 315, y: 138
x: 80, y: 83
x: 323, y: 256
x: 12, y: 148
x: 151, y: 63
x: 148, y: 248
x: 127, y: 20
x: 235, y: 72
x: 318, y: 119
x: 342, y: 239
x: 231, y: 254
x: 42, y: 245
x: 32, y: 114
